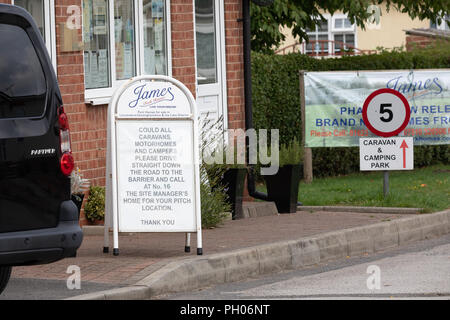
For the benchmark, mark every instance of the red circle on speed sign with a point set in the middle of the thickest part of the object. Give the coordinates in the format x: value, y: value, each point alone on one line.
x: 386, y: 112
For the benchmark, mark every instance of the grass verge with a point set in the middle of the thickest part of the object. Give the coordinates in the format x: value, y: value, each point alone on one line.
x: 426, y: 188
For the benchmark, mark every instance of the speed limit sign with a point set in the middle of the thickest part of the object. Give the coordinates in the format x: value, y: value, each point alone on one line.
x: 386, y: 112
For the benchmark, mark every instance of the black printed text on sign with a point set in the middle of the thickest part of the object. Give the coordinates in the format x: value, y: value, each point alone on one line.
x: 386, y: 112
x: 386, y: 154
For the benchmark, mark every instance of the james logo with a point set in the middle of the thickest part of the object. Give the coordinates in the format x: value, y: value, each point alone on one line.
x: 416, y: 88
x: 150, y: 97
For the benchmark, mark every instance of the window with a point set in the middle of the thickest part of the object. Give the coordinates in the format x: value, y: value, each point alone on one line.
x: 343, y: 41
x: 336, y: 31
x: 123, y: 39
x: 22, y: 80
x: 155, y: 39
x: 36, y: 9
x: 443, y: 25
x: 96, y: 44
x: 318, y: 38
x: 206, y: 41
x: 342, y: 24
x: 43, y: 14
x: 124, y: 36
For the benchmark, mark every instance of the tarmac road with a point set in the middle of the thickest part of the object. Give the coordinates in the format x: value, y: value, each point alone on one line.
x: 414, y: 270
x: 45, y: 289
x: 417, y: 271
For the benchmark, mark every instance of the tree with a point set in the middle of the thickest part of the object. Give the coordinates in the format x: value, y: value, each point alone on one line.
x: 302, y: 14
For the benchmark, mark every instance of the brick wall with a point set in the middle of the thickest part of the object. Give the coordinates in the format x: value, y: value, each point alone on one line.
x: 420, y: 41
x: 413, y: 41
x: 234, y: 63
x: 88, y: 123
x: 183, y: 51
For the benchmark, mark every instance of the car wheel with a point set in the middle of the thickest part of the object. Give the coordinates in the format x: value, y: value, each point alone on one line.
x: 5, y: 273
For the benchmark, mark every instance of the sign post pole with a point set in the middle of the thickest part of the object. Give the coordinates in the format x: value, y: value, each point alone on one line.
x: 307, y: 162
x: 385, y: 183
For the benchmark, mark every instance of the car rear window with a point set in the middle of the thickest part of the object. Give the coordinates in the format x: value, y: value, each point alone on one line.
x: 22, y: 80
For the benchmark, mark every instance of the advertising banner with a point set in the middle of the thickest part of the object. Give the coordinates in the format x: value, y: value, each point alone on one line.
x: 334, y: 103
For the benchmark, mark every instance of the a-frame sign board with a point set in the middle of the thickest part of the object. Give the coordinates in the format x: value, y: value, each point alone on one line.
x: 152, y: 174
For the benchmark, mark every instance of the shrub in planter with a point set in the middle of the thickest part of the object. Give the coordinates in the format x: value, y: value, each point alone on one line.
x: 282, y: 187
x: 214, y: 204
x: 94, y: 209
x: 231, y: 178
x: 222, y: 167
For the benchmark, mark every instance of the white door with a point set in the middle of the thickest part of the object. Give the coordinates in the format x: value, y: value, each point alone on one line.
x: 211, y: 76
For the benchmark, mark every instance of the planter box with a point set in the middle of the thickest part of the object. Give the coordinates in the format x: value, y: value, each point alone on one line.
x: 282, y: 187
x: 233, y: 181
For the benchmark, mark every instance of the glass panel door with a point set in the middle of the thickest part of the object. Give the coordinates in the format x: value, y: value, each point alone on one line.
x: 36, y: 9
x: 124, y: 35
x: 205, y: 29
x: 210, y: 48
x: 155, y: 42
x: 96, y: 44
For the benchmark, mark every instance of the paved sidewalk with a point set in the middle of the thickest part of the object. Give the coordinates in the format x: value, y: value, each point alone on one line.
x: 143, y: 254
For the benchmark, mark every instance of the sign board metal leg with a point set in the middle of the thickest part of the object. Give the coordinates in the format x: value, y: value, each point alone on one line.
x: 106, y: 237
x: 199, y: 243
x: 115, y: 235
x: 108, y: 190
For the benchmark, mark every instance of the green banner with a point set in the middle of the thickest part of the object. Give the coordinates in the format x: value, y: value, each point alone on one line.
x: 334, y: 102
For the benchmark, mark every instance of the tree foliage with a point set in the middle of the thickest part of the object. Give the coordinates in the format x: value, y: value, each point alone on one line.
x: 302, y: 14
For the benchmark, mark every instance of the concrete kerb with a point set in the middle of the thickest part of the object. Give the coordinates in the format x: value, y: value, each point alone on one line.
x: 386, y: 210
x: 264, y: 209
x: 200, y: 272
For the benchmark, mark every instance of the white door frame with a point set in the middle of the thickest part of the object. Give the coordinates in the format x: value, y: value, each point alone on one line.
x: 205, y: 89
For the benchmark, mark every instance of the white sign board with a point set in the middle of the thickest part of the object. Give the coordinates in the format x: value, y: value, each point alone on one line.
x: 156, y: 191
x: 384, y: 154
x: 153, y: 179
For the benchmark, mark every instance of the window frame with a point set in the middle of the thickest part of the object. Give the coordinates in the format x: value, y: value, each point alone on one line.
x: 314, y: 35
x: 331, y: 32
x: 102, y: 96
x: 49, y: 30
x: 352, y: 28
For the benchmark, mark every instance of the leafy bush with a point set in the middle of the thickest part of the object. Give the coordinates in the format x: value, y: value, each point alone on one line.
x: 276, y: 99
x: 214, y: 204
x: 95, y: 205
x: 291, y: 153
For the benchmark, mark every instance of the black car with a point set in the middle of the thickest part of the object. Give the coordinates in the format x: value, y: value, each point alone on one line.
x: 38, y: 221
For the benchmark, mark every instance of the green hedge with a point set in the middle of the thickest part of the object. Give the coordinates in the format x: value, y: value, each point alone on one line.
x: 276, y: 99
